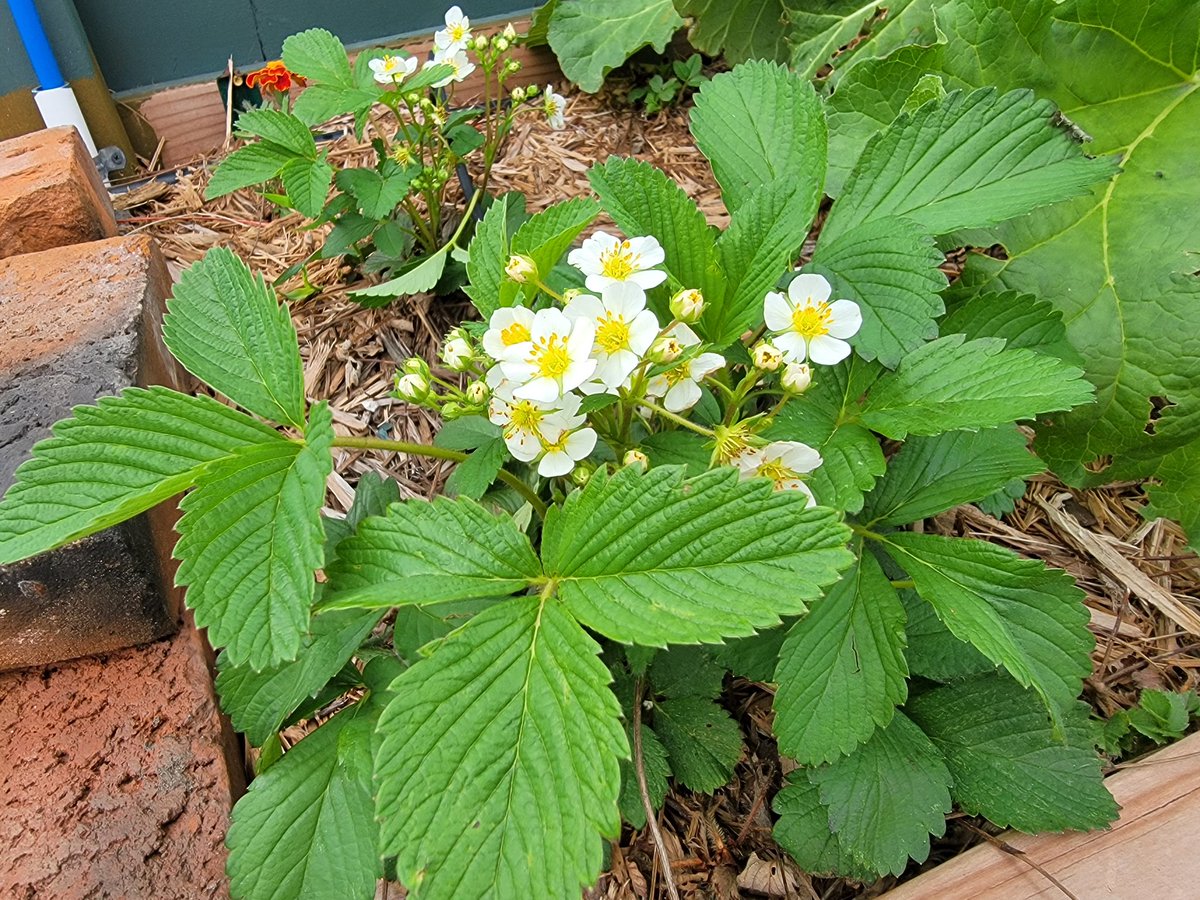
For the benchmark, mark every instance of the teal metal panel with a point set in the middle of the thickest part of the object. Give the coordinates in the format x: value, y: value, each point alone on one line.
x: 141, y: 44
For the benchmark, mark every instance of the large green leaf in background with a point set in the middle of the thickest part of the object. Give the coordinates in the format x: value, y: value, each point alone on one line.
x: 591, y: 38
x: 1118, y: 263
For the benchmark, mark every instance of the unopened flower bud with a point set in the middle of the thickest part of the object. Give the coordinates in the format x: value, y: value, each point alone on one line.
x: 636, y: 458
x: 582, y: 473
x: 480, y: 43
x: 453, y: 410
x: 477, y: 393
x: 509, y: 32
x: 512, y: 66
x: 687, y: 305
x: 426, y: 104
x: 418, y: 366
x: 531, y: 91
x: 767, y: 357
x: 665, y: 350
x: 502, y: 43
x: 520, y: 268
x: 457, y: 354
x: 413, y: 387
x: 796, y: 378
x: 518, y: 95
x: 570, y: 294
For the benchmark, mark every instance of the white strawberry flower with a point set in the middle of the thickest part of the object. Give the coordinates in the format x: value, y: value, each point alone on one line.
x: 557, y: 359
x: 561, y: 453
x: 807, y: 326
x: 554, y: 105
x: 783, y: 462
x: 510, y: 331
x: 390, y: 69
x: 456, y: 59
x: 608, y: 261
x: 624, y: 328
x: 680, y: 387
x: 527, y: 424
x: 457, y: 33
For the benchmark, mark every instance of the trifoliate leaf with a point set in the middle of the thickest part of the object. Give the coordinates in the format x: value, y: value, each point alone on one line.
x: 307, y: 184
x: 111, y: 461
x: 1021, y: 319
x: 703, y: 741
x: 657, y: 769
x: 763, y: 237
x: 377, y: 194
x: 653, y: 559
x: 803, y: 831
x: 951, y: 384
x: 318, y: 56
x: 420, y: 277
x: 428, y: 553
x: 824, y: 418
x: 246, y: 167
x: 887, y: 797
x: 642, y: 200
x: 972, y: 160
x: 258, y: 703
x: 933, y: 652
x: 279, y: 129
x: 933, y: 474
x: 489, y: 248
x: 686, y: 671
x: 498, y: 770
x: 226, y: 327
x: 890, y: 269
x: 547, y: 235
x: 758, y: 124
x: 1006, y: 762
x: 592, y: 39
x: 841, y: 670
x: 306, y: 826
x: 738, y: 30
x: 1017, y: 612
x: 251, y: 540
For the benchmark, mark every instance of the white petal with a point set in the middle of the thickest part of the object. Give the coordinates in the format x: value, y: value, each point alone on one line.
x: 791, y: 345
x: 683, y: 396
x: 581, y: 443
x: 624, y: 298
x: 748, y: 462
x: 642, y: 331
x: 684, y: 335
x: 495, y: 379
x: 519, y: 370
x: 579, y: 371
x: 795, y: 455
x: 649, y: 278
x: 777, y: 312
x: 613, y: 370
x: 569, y: 405
x: 807, y: 491
x: 704, y: 364
x: 583, y: 306
x: 585, y: 259
x: 545, y: 390
x: 549, y: 321
x: 648, y: 249
x: 847, y: 318
x: 807, y: 287
x: 657, y: 386
x: 581, y: 338
x: 827, y: 351
x: 554, y: 464
x: 523, y: 446
x: 598, y: 283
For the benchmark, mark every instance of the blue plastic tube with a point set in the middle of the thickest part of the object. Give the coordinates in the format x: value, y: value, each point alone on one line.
x: 37, y: 45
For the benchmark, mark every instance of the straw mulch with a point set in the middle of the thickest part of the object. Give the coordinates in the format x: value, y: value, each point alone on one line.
x: 1142, y: 584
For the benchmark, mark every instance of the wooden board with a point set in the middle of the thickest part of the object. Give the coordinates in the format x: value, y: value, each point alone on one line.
x: 1148, y: 854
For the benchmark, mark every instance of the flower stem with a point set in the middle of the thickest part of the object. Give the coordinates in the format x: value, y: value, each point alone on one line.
x: 678, y: 420
x: 370, y: 443
x: 639, y: 768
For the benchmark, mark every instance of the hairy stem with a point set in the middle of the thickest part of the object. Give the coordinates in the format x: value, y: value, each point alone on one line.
x: 677, y: 419
x: 370, y: 443
x: 639, y: 766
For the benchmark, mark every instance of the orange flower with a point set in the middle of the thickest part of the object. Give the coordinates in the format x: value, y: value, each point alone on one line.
x: 274, y: 76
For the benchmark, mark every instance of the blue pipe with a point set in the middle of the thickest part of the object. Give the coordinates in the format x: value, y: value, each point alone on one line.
x: 37, y: 45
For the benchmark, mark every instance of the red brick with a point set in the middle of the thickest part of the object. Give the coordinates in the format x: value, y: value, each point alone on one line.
x: 77, y: 323
x: 117, y: 775
x: 51, y: 194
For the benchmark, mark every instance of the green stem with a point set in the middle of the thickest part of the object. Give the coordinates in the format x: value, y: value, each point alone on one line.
x: 866, y: 532
x: 903, y: 584
x: 370, y: 443
x: 678, y: 420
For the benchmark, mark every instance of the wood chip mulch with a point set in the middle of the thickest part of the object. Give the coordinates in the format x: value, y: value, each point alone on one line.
x: 1142, y: 584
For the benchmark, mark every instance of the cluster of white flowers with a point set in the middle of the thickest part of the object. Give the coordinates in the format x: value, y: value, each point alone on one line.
x: 541, y: 365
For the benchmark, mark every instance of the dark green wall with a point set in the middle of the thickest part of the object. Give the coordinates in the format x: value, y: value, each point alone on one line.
x: 141, y: 43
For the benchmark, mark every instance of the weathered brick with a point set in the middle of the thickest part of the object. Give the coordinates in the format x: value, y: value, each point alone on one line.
x: 50, y: 193
x: 117, y: 775
x: 77, y: 323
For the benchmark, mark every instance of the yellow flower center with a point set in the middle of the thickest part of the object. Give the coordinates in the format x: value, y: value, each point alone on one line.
x: 524, y: 416
x: 457, y: 32
x: 618, y: 263
x: 516, y: 333
x: 676, y: 375
x: 551, y: 357
x: 776, y: 471
x: 612, y: 333
x: 812, y: 321
x: 559, y: 446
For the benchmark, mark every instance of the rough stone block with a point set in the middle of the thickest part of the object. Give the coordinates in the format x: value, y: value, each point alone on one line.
x: 51, y: 194
x: 117, y: 775
x: 77, y: 323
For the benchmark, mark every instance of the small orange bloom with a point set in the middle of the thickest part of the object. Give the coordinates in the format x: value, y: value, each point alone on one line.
x: 274, y: 76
